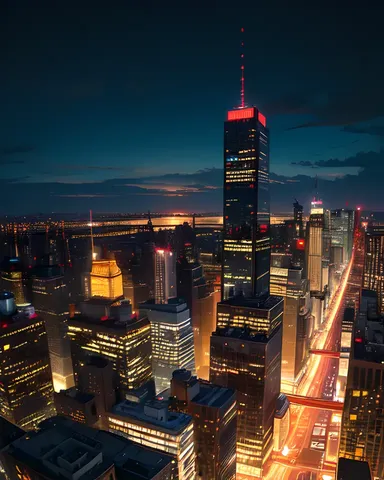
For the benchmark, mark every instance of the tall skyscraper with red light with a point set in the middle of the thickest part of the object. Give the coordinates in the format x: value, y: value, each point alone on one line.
x: 246, y: 248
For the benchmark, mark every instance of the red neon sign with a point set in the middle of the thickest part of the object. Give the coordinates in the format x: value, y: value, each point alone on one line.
x: 262, y: 119
x: 358, y: 340
x: 241, y: 114
x: 263, y: 228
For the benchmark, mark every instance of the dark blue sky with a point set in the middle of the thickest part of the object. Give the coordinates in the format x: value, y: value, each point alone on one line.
x: 121, y: 108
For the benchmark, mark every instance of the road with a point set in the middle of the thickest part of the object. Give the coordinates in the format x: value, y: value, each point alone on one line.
x: 317, y: 382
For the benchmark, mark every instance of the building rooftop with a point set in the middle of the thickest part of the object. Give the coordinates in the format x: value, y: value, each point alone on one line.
x: 173, y: 423
x: 174, y: 305
x: 9, y: 432
x: 80, y: 397
x: 353, y: 470
x: 63, y: 448
x: 213, y: 395
x: 259, y: 303
x: 240, y: 334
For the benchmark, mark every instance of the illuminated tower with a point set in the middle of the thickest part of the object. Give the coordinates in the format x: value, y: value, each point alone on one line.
x: 12, y: 279
x: 172, y: 339
x: 374, y: 262
x: 165, y: 275
x: 106, y: 279
x: 50, y: 299
x: 315, y: 248
x: 26, y: 390
x: 246, y: 248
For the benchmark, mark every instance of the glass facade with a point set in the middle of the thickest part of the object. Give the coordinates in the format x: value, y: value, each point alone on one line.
x: 246, y: 249
x: 374, y: 263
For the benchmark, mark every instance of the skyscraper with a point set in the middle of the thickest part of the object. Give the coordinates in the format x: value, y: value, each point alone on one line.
x: 362, y: 432
x: 50, y: 299
x: 172, y: 339
x: 289, y: 283
x: 374, y: 263
x: 298, y: 219
x: 342, y: 226
x: 315, y: 247
x: 165, y: 275
x: 246, y: 244
x: 106, y: 279
x: 214, y: 413
x: 12, y: 279
x: 107, y: 328
x: 26, y: 390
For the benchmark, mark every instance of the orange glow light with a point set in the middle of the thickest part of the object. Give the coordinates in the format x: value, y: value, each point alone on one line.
x: 262, y: 119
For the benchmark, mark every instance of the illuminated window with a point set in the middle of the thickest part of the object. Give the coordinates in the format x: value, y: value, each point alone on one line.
x: 356, y: 393
x: 352, y: 417
x: 364, y: 393
x: 6, y: 347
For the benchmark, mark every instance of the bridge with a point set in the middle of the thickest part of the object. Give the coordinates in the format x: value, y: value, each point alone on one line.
x: 325, y: 353
x: 314, y: 402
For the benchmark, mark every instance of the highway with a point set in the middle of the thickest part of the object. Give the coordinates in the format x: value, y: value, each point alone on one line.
x: 319, y: 382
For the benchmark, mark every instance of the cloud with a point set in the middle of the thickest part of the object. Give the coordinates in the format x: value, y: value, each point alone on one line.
x: 364, y: 160
x: 8, y: 151
x: 375, y: 130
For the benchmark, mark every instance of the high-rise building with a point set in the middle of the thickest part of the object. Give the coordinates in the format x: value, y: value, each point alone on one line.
x: 12, y: 279
x: 342, y: 226
x: 96, y: 377
x: 298, y: 219
x: 202, y: 298
x: 374, y: 263
x: 165, y: 275
x: 26, y: 390
x: 152, y: 425
x: 79, y: 406
x: 315, y: 248
x: 108, y: 329
x: 262, y: 315
x: 363, y: 420
x: 105, y: 279
x: 50, y: 299
x: 214, y: 413
x: 246, y: 243
x: 281, y: 423
x: 172, y: 339
x: 251, y: 364
x: 62, y: 448
x: 289, y: 283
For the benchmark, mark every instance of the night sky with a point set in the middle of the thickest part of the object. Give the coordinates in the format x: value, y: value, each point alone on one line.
x: 121, y: 108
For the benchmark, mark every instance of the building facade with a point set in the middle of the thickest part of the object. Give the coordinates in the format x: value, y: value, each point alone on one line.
x: 105, y: 279
x: 50, y: 299
x: 165, y: 275
x: 374, y: 263
x: 172, y: 339
x: 246, y: 243
x: 26, y: 389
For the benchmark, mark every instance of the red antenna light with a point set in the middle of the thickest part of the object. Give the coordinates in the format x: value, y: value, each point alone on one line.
x: 242, y: 102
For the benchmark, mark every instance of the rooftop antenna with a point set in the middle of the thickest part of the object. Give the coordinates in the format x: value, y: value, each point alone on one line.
x: 91, y: 225
x: 242, y: 101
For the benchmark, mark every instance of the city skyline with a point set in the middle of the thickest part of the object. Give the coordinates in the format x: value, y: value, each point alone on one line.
x: 93, y: 104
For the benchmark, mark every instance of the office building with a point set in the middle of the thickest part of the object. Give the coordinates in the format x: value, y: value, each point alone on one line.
x: 152, y: 425
x: 298, y: 219
x: 50, y: 299
x: 96, y: 377
x: 214, y: 413
x: 105, y: 279
x: 374, y: 262
x: 202, y: 298
x: 282, y: 423
x: 297, y: 323
x: 363, y: 420
x: 342, y: 226
x: 79, y: 406
x: 261, y: 315
x: 12, y: 279
x: 251, y: 364
x: 26, y: 390
x: 172, y: 339
x: 62, y: 448
x: 165, y: 275
x: 109, y: 329
x: 315, y: 247
x: 246, y: 242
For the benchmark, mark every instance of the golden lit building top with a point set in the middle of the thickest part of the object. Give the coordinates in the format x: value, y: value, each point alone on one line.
x: 106, y: 279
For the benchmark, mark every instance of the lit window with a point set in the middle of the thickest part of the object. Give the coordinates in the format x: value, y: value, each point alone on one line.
x: 356, y: 393
x: 352, y: 417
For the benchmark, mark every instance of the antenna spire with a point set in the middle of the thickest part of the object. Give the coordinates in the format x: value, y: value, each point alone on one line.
x: 242, y: 101
x: 91, y: 225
